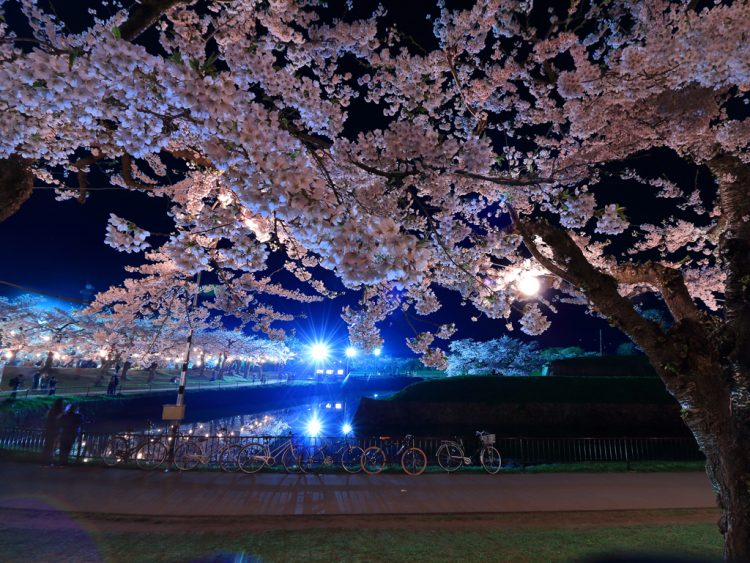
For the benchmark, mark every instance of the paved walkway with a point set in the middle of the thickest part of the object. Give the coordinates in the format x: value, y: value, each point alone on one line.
x: 134, y: 492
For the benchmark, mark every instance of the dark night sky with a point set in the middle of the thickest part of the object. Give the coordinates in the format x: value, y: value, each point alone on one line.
x: 58, y: 248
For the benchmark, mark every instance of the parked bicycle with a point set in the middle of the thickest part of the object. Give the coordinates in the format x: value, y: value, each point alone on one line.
x: 203, y: 450
x: 256, y: 455
x: 148, y: 451
x: 413, y: 460
x: 336, y: 453
x: 450, y: 455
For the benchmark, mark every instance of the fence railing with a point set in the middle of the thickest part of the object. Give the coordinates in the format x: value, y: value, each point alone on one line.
x: 137, y: 388
x: 515, y: 451
x: 126, y: 388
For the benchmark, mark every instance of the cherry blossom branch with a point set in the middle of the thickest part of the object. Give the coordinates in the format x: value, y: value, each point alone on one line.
x: 144, y: 15
x: 668, y: 281
x: 600, y: 288
x: 81, y: 173
x: 126, y: 163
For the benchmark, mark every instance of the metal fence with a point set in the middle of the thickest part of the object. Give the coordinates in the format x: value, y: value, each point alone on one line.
x: 139, y: 388
x: 515, y: 451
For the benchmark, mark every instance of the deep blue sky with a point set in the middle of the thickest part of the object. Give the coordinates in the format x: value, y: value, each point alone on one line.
x: 58, y: 247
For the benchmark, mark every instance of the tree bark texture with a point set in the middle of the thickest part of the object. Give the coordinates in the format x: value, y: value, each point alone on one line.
x: 16, y: 184
x: 704, y: 361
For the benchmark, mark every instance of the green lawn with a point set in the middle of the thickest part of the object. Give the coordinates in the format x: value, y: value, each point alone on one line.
x: 507, y: 544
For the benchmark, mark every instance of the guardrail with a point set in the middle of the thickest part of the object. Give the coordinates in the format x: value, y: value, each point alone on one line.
x: 135, y: 387
x: 515, y: 451
x: 125, y: 389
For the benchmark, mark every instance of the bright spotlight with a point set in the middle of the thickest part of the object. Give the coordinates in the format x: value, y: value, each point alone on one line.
x: 313, y: 427
x: 377, y: 351
x: 351, y: 351
x: 346, y: 428
x: 529, y: 285
x: 319, y: 352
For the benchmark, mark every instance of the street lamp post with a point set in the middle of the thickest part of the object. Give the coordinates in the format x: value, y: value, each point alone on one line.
x: 175, y: 413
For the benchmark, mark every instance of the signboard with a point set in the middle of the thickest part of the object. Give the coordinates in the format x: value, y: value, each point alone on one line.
x: 173, y: 412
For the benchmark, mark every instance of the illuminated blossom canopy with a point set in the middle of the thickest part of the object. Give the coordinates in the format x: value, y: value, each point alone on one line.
x: 510, y: 143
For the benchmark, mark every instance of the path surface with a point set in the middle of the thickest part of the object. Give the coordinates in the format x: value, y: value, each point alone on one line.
x: 113, y: 491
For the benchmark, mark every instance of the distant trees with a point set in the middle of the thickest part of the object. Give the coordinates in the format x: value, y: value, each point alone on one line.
x: 32, y: 331
x: 503, y: 356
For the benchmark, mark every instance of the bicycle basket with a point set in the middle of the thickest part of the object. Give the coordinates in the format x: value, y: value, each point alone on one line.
x: 488, y: 439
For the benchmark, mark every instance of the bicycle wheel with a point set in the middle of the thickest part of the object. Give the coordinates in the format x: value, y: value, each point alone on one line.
x: 150, y: 455
x: 450, y: 456
x: 414, y: 461
x: 116, y: 451
x: 252, y: 457
x: 490, y: 459
x: 228, y: 458
x: 314, y: 460
x: 373, y: 460
x: 187, y: 456
x: 351, y: 459
x: 296, y: 459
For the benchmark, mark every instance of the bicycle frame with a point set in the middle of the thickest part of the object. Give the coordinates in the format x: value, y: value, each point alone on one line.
x: 276, y: 452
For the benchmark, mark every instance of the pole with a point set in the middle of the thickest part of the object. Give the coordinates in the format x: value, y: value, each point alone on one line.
x: 183, y: 371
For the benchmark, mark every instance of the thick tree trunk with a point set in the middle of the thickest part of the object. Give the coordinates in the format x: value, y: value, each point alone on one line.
x: 202, y: 370
x: 731, y: 468
x: 47, y: 367
x: 703, y: 361
x: 222, y: 364
x: 16, y: 184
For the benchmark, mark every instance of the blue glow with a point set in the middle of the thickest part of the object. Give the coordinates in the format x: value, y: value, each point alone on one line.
x: 351, y: 352
x: 377, y: 351
x: 346, y: 428
x: 314, y: 427
x: 319, y: 351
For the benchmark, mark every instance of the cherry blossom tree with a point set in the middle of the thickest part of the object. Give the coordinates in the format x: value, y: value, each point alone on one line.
x: 504, y: 356
x: 600, y: 147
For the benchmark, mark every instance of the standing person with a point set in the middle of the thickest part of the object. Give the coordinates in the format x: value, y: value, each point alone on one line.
x: 36, y: 380
x: 14, y: 383
x: 111, y: 387
x: 152, y: 372
x: 51, y: 430
x: 52, y: 385
x: 115, y: 383
x: 70, y: 424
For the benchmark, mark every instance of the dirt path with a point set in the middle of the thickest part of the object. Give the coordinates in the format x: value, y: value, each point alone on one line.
x: 174, y: 494
x: 47, y: 520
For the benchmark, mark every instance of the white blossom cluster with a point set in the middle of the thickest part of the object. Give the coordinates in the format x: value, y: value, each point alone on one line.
x: 125, y: 236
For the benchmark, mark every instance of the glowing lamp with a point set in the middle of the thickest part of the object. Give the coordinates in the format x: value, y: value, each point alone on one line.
x: 351, y: 351
x: 319, y: 352
x: 346, y: 428
x: 313, y: 427
x: 529, y: 285
x: 377, y: 351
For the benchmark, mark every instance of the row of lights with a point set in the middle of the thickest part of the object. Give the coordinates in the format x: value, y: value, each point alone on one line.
x: 315, y: 427
x: 320, y: 351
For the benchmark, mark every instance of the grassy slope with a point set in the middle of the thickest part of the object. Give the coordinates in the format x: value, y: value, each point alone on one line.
x: 503, y: 544
x: 498, y: 390
x: 81, y: 378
